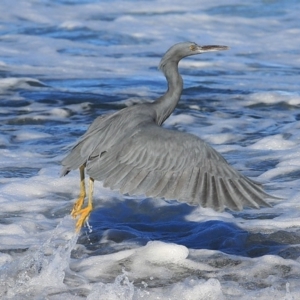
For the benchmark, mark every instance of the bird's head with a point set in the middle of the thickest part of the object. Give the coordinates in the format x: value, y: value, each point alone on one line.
x: 181, y: 50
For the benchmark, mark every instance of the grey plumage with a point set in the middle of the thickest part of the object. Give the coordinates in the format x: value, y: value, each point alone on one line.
x: 131, y: 152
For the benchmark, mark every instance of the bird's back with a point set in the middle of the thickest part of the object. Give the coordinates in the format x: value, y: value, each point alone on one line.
x: 106, y: 132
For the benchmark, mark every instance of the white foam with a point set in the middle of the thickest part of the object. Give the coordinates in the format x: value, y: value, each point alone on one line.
x: 14, y: 83
x: 179, y: 119
x: 59, y: 112
x: 42, y: 269
x: 71, y: 24
x: 196, y: 289
x: 27, y: 135
x: 120, y: 289
x: 4, y: 259
x: 274, y: 142
x: 274, y: 97
x: 158, y: 252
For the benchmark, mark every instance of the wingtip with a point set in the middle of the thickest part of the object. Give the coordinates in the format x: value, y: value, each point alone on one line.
x: 64, y: 172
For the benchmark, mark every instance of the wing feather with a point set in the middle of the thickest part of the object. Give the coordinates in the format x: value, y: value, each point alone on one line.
x: 169, y: 190
x: 234, y: 193
x: 214, y: 200
x: 156, y: 189
x: 111, y: 180
x: 133, y: 185
x: 192, y: 194
x: 252, y: 194
x: 125, y: 183
x: 154, y: 178
x: 182, y: 184
x: 202, y: 189
x: 159, y: 162
x: 166, y: 186
x: 123, y: 173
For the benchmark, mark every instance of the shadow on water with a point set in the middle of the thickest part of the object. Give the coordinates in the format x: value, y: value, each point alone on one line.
x: 137, y: 222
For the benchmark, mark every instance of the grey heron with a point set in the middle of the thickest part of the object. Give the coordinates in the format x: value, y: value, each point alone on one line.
x: 129, y: 151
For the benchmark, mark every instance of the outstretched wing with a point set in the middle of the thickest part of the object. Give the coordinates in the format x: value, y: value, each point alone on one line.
x: 164, y: 163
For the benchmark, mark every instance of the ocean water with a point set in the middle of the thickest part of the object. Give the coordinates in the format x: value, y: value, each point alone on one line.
x: 63, y: 63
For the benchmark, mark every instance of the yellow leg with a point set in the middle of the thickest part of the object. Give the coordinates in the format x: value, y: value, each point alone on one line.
x: 85, y: 212
x: 78, y: 204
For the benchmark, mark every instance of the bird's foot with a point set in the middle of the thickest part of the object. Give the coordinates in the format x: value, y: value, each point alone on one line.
x: 83, y: 217
x: 77, y: 207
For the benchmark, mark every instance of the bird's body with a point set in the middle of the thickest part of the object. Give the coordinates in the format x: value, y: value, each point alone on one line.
x: 129, y: 151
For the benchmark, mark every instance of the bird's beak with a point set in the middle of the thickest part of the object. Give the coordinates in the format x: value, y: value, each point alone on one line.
x: 212, y: 48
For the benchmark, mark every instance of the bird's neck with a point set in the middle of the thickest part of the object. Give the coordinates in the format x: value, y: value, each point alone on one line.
x: 166, y: 104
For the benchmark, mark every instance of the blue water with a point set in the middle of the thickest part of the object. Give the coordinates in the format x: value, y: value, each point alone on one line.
x: 120, y: 222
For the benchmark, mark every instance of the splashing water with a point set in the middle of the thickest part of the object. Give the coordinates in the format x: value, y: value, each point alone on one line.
x: 120, y: 289
x: 41, y: 271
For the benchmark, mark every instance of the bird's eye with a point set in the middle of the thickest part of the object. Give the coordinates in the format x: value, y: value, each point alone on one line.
x: 193, y: 47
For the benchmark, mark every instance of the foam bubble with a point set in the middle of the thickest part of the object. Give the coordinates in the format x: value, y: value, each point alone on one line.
x: 274, y: 142
x: 157, y: 252
x: 274, y: 97
x: 42, y: 269
x: 120, y: 289
x: 180, y: 119
x: 25, y: 83
x: 196, y: 289
x: 26, y: 135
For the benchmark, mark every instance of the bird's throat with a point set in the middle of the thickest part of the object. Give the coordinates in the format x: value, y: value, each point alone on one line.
x: 166, y: 104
